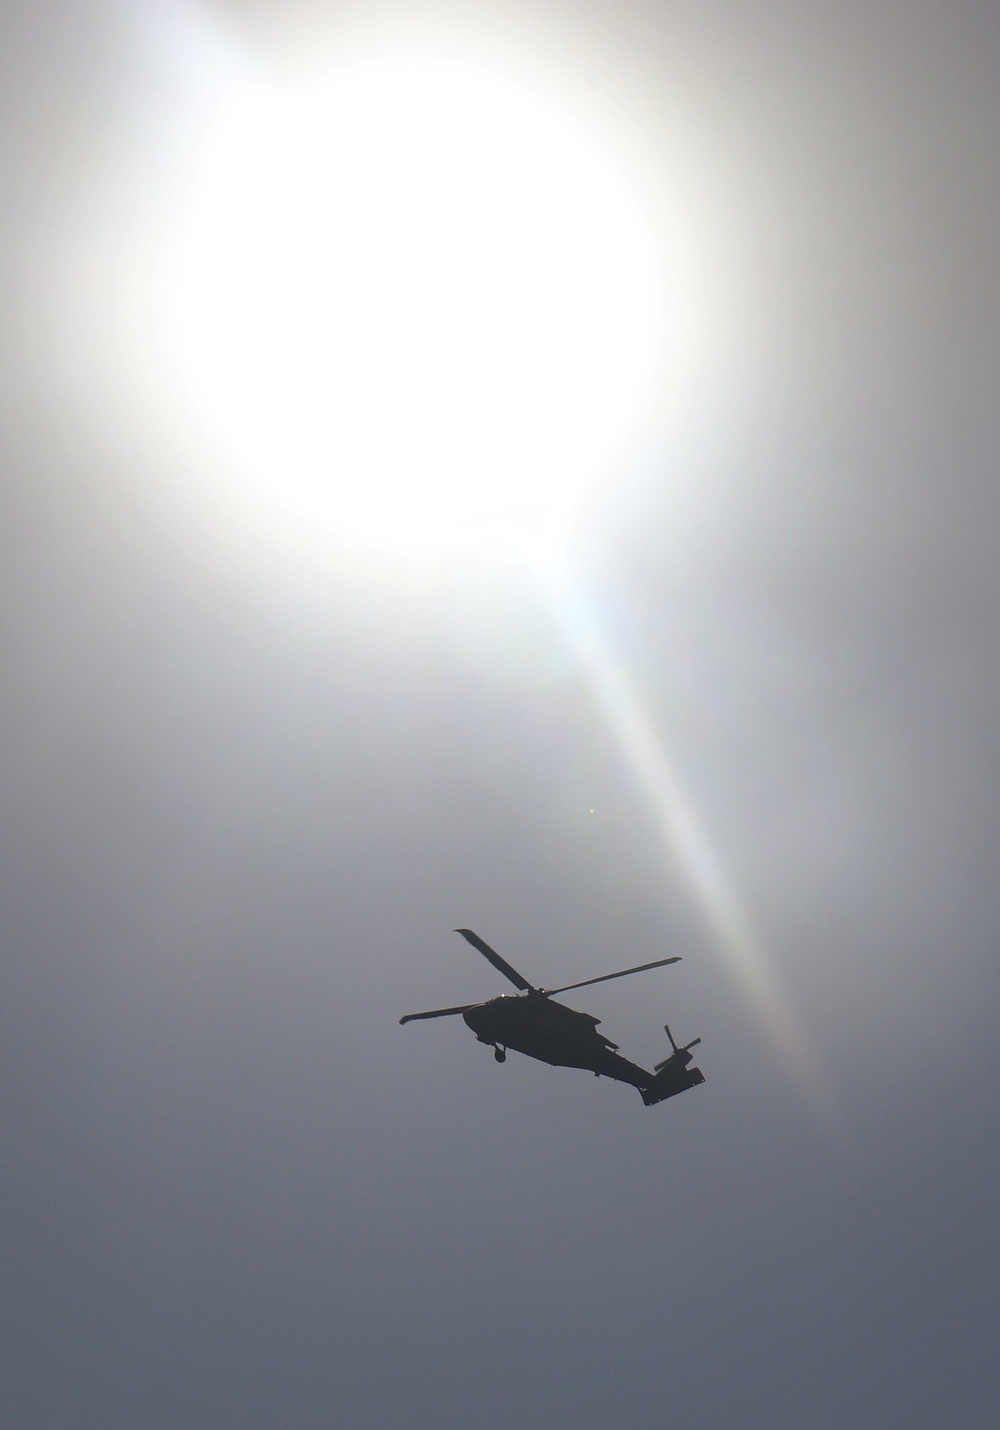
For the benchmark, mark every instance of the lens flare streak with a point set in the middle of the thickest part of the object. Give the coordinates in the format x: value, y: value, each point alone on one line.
x: 683, y: 832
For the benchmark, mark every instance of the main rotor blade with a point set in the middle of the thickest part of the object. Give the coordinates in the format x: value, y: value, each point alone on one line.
x: 640, y: 968
x: 498, y: 963
x: 437, y: 1013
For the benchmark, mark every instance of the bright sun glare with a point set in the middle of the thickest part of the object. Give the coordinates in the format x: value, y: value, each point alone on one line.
x: 416, y: 305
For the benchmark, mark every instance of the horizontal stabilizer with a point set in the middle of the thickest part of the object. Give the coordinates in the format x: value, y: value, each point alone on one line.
x: 669, y: 1082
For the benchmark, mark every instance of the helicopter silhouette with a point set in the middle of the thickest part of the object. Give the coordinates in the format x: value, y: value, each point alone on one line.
x: 540, y: 1028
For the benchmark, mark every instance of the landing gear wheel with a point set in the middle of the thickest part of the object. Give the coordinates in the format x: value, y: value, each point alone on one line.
x: 500, y: 1054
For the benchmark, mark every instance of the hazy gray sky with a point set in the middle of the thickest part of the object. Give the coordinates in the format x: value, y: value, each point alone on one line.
x: 246, y: 806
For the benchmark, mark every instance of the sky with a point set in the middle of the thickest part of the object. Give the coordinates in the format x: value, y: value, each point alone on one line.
x: 253, y: 781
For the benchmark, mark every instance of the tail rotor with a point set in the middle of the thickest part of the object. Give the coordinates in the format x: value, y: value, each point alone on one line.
x: 682, y: 1054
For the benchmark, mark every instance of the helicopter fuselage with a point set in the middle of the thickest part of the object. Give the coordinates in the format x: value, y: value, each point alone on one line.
x: 541, y: 1028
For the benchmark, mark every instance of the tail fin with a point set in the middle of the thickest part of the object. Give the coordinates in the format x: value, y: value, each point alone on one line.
x: 674, y: 1074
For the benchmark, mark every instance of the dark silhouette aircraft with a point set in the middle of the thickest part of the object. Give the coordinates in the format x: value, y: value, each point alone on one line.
x: 539, y: 1027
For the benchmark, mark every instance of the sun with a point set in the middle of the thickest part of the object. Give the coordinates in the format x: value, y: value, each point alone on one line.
x: 415, y: 303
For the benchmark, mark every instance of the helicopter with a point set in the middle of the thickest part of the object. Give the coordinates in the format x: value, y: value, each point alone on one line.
x: 540, y: 1028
